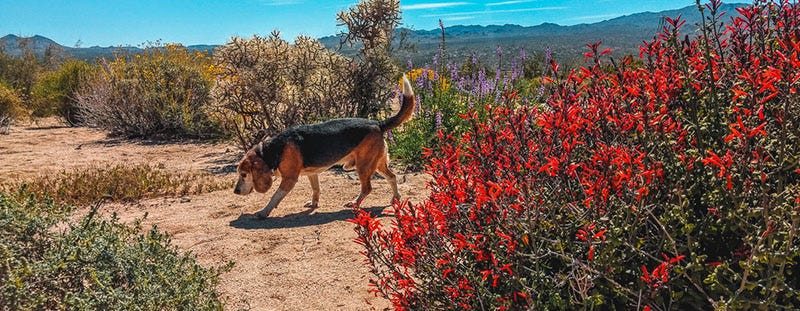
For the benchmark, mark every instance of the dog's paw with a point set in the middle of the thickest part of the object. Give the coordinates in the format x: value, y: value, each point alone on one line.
x: 261, y: 215
x: 311, y: 205
x: 351, y: 204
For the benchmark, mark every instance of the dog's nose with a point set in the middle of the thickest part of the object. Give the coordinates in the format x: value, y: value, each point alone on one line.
x: 236, y: 191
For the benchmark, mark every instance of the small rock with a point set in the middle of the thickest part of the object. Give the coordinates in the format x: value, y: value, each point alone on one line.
x: 185, y: 200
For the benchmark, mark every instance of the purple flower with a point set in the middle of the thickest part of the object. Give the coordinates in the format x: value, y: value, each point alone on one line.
x: 547, y: 56
x: 418, y: 106
x: 482, y: 84
x: 390, y: 137
x: 453, y: 72
x: 420, y: 81
x: 438, y: 120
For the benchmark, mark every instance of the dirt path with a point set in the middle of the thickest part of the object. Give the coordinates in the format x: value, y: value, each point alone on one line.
x: 295, y: 260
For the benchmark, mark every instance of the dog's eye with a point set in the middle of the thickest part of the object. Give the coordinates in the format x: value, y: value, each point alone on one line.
x: 244, y: 175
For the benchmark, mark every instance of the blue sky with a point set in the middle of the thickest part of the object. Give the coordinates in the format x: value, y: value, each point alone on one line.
x: 116, y: 22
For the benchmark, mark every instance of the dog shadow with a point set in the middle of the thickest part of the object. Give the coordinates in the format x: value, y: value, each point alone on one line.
x: 301, y: 219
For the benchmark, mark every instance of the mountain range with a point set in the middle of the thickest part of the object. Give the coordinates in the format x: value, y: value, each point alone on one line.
x: 622, y: 34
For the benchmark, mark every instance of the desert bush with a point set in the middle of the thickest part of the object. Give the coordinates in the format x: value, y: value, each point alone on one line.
x: 54, y: 92
x: 266, y: 85
x: 117, y: 183
x: 162, y: 92
x: 11, y: 107
x: 52, y: 263
x: 667, y: 185
x: 371, y: 24
x: 20, y: 72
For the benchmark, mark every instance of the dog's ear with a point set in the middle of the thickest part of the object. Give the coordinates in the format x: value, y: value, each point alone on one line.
x: 262, y: 174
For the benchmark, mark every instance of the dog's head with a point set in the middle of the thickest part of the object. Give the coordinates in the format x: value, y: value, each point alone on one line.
x: 253, y: 174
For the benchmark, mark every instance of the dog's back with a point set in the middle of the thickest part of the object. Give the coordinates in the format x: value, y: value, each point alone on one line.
x: 324, y: 144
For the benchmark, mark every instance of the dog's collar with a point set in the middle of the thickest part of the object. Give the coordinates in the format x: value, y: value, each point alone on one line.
x: 259, y: 149
x: 260, y: 152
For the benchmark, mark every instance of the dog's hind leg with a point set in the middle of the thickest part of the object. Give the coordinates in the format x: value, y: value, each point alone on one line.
x: 365, y: 172
x: 314, y: 203
x: 385, y: 171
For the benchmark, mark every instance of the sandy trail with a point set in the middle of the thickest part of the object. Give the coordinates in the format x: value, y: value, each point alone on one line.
x: 295, y: 260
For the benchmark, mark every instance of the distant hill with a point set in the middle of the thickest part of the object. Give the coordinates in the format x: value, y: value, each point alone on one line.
x: 623, y: 34
x: 15, y: 45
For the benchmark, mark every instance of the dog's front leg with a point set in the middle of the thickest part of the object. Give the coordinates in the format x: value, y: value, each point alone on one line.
x: 287, y: 183
x: 314, y: 203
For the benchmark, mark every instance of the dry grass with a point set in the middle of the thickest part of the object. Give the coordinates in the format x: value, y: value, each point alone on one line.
x: 117, y: 183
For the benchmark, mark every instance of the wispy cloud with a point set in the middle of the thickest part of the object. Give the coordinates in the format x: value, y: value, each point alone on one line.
x: 432, y: 5
x: 593, y: 17
x: 457, y: 18
x: 547, y: 8
x: 509, y: 2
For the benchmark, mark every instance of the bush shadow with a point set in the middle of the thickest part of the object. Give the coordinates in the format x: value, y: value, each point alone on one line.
x: 301, y: 219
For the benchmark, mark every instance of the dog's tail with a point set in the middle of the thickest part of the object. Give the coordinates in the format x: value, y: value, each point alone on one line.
x: 406, y: 109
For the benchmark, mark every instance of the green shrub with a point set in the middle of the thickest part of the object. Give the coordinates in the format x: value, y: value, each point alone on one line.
x: 446, y: 94
x: 51, y: 263
x: 164, y: 92
x: 439, y: 107
x: 54, y: 93
x: 117, y: 183
x: 19, y: 72
x: 10, y: 107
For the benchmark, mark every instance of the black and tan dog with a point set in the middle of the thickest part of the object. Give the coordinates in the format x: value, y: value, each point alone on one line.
x: 311, y: 149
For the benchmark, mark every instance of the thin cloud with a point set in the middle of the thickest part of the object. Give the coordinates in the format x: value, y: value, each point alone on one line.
x: 591, y: 17
x: 547, y: 8
x: 457, y: 18
x: 434, y: 5
x: 509, y: 2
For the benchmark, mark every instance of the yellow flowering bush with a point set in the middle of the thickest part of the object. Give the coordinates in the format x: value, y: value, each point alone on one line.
x: 165, y: 91
x: 10, y: 107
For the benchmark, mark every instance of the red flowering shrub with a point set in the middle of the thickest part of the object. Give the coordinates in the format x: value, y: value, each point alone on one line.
x: 673, y: 184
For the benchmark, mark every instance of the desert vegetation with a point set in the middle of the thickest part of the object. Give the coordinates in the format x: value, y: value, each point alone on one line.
x: 663, y: 180
x: 662, y: 183
x: 165, y: 91
x: 54, y: 263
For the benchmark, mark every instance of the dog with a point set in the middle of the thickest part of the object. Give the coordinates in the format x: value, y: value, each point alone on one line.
x: 357, y: 143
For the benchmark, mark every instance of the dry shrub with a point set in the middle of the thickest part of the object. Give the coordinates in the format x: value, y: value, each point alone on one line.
x: 266, y: 85
x: 162, y: 92
x: 118, y: 183
x: 54, y: 92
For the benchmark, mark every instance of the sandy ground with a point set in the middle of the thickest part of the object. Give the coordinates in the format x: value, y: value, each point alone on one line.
x: 295, y: 260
